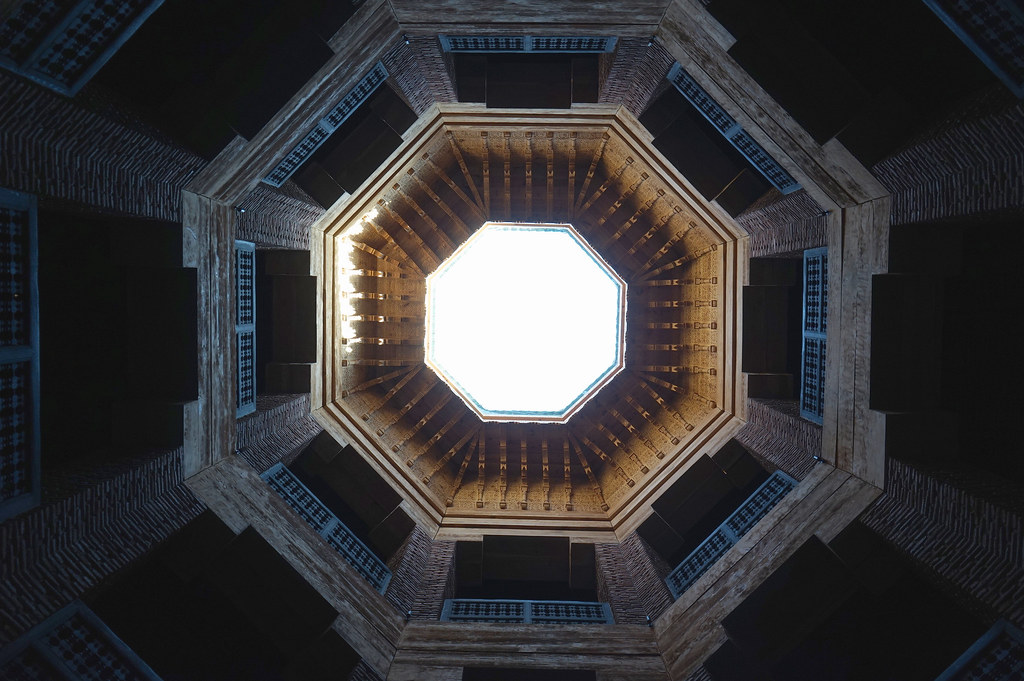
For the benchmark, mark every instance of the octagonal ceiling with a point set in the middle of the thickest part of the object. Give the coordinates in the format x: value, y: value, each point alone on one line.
x: 683, y: 260
x: 525, y: 322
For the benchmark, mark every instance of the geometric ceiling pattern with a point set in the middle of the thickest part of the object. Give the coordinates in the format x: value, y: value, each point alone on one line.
x: 679, y: 256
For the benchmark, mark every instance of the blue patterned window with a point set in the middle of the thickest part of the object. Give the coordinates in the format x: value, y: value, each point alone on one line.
x: 19, y: 355
x: 812, y: 373
x: 245, y: 326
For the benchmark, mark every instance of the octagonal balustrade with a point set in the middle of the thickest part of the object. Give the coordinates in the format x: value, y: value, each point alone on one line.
x: 525, y: 322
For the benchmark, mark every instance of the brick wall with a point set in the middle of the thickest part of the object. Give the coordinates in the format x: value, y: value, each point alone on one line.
x: 55, y: 147
x: 437, y: 582
x: 57, y: 552
x: 616, y: 585
x: 406, y: 74
x: 408, y: 566
x: 635, y: 74
x: 700, y: 674
x: 278, y: 218
x: 784, y: 224
x: 364, y: 672
x: 972, y: 168
x: 967, y: 164
x: 434, y: 68
x: 780, y: 438
x: 972, y: 545
x: 648, y: 572
x: 278, y: 430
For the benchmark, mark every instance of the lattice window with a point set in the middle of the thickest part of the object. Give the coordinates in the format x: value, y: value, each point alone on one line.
x: 73, y: 644
x: 338, y: 114
x: 526, y: 612
x: 499, y: 43
x: 815, y: 322
x: 993, y: 30
x: 62, y: 47
x: 996, y: 656
x: 245, y: 326
x: 328, y: 526
x: 753, y: 509
x: 760, y: 159
x: 19, y: 355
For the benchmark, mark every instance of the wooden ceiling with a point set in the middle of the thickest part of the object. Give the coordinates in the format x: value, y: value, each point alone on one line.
x: 458, y: 168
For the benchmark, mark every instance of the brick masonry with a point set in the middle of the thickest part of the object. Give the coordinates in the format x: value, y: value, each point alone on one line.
x: 616, y: 585
x: 408, y: 567
x: 437, y: 581
x: 278, y: 430
x: 780, y: 438
x: 972, y: 167
x: 57, y: 552
x: 784, y: 224
x: 56, y: 148
x: 972, y: 545
x: 969, y: 164
x: 364, y: 672
x: 636, y: 71
x: 648, y: 572
x: 278, y: 218
x: 434, y: 68
x: 407, y: 75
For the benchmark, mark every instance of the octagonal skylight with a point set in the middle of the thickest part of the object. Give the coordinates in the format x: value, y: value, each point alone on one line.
x: 525, y: 322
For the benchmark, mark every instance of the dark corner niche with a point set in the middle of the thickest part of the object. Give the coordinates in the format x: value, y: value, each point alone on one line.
x: 526, y: 568
x: 814, y: 617
x: 205, y: 71
x: 357, y: 148
x: 541, y: 81
x: 892, y: 70
x: 285, y: 322
x: 118, y: 337
x: 209, y: 605
x: 701, y: 154
x: 354, y: 492
x: 701, y: 500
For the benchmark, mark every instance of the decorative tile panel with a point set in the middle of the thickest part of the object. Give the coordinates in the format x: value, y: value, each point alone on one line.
x: 996, y: 656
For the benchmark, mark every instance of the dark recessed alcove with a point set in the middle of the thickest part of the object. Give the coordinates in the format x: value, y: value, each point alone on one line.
x: 355, y: 493
x: 892, y: 69
x: 118, y: 335
x: 525, y: 568
x: 701, y: 154
x: 817, y: 614
x: 701, y: 500
x: 357, y: 148
x: 203, y: 71
x: 211, y: 605
x: 543, y: 81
